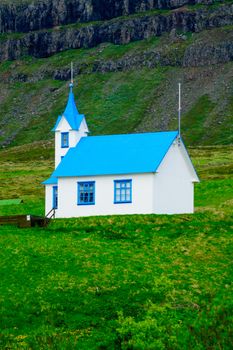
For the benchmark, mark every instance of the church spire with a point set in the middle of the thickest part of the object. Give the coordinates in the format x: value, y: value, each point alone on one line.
x: 71, y: 113
x: 71, y: 76
x: 70, y: 127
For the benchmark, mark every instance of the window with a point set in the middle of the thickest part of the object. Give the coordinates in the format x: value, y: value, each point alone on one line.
x: 64, y: 139
x: 122, y: 191
x: 86, y: 193
x: 55, y: 197
x: 62, y: 157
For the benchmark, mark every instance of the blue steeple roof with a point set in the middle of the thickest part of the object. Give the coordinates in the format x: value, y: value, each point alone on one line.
x: 71, y: 113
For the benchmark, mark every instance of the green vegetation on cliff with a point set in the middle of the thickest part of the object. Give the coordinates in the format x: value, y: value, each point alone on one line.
x: 124, y: 88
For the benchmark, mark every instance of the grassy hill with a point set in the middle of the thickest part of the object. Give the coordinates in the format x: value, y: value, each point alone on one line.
x: 128, y: 282
x: 125, y: 88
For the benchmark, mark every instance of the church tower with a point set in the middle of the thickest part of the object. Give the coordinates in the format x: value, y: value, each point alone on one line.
x: 69, y: 128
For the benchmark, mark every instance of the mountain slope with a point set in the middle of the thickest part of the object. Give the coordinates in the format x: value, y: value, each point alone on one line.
x: 130, y: 87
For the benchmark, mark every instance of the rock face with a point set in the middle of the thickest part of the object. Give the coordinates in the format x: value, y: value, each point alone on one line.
x: 209, y: 54
x: 172, y: 51
x: 43, y: 14
x: 118, y: 31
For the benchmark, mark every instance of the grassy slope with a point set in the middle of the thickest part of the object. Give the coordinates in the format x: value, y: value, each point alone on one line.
x: 125, y: 101
x: 130, y: 282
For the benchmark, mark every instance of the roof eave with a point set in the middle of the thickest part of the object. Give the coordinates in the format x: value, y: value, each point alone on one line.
x: 151, y: 171
x: 50, y: 181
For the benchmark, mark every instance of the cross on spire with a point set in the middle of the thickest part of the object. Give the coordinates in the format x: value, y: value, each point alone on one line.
x: 71, y: 75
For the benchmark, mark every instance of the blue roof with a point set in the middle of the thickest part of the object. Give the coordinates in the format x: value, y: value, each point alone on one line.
x: 57, y: 122
x: 71, y: 113
x: 116, y: 154
x: 50, y: 181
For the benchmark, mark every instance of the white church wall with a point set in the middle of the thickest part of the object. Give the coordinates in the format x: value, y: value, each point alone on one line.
x: 74, y: 138
x: 48, y: 198
x: 173, y: 185
x: 142, y: 196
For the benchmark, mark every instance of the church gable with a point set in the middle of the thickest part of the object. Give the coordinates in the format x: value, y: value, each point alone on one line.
x: 62, y: 124
x: 177, y: 163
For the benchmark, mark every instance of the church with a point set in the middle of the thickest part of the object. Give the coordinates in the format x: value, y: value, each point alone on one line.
x: 143, y: 173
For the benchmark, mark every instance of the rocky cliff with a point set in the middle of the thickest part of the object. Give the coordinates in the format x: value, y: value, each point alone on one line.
x: 174, y: 50
x: 36, y: 15
x: 117, y: 31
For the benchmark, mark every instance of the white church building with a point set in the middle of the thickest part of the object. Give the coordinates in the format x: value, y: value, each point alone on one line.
x: 144, y: 173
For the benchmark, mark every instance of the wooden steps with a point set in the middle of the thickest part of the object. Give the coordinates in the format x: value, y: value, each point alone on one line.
x: 24, y: 220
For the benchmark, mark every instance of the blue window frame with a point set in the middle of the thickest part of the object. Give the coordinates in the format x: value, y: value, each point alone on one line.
x: 55, y: 197
x: 122, y: 191
x: 86, y: 193
x: 64, y: 139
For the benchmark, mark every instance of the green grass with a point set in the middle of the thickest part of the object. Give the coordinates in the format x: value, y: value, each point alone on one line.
x: 118, y: 100
x: 202, y: 108
x: 128, y: 282
x: 25, y: 171
x: 214, y: 5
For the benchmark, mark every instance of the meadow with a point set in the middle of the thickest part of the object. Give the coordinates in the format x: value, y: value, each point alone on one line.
x: 128, y: 282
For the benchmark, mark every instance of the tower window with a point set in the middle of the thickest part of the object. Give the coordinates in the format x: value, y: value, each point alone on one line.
x: 64, y: 139
x: 122, y: 191
x: 86, y: 193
